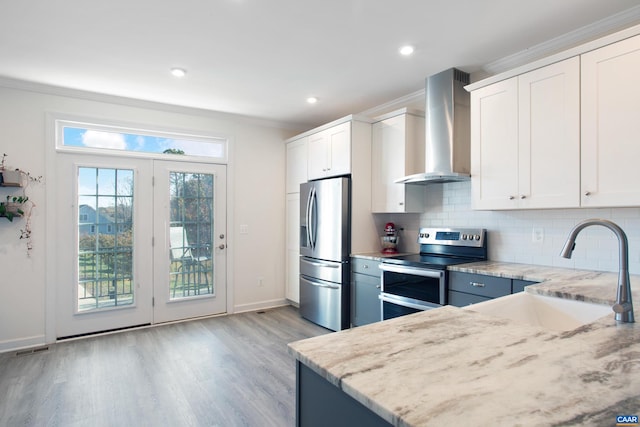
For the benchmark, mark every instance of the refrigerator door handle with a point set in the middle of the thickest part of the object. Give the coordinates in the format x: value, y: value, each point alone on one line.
x: 312, y: 218
x: 322, y: 264
x: 321, y: 285
x: 308, y: 217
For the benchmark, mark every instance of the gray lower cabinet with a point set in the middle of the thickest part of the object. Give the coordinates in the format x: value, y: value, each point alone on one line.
x: 470, y: 288
x: 320, y: 404
x: 365, y: 291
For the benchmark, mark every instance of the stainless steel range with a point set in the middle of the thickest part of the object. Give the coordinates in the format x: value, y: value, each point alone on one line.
x: 417, y: 282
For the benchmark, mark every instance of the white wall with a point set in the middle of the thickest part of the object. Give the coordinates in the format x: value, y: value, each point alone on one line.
x: 510, y: 232
x: 256, y: 176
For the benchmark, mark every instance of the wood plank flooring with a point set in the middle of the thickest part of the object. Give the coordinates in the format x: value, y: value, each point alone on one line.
x: 225, y: 371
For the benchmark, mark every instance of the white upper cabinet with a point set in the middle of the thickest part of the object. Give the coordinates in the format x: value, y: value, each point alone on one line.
x: 397, y: 151
x: 330, y: 152
x: 525, y: 140
x: 549, y: 136
x: 494, y: 145
x: 296, y: 164
x: 611, y: 125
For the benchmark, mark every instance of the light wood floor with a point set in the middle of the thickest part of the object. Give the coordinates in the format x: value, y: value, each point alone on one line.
x: 224, y: 371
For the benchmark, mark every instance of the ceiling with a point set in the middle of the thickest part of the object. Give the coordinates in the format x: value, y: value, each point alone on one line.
x: 264, y: 58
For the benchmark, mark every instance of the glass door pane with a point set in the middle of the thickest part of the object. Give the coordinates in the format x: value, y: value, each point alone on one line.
x: 105, y: 238
x: 191, y: 235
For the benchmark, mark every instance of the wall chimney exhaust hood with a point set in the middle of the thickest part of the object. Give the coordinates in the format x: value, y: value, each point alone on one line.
x: 447, y: 133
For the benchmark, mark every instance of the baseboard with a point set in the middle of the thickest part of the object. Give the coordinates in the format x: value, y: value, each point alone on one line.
x: 19, y: 344
x: 262, y: 305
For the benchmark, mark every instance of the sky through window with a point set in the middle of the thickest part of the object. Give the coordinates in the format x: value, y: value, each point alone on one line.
x: 101, y: 139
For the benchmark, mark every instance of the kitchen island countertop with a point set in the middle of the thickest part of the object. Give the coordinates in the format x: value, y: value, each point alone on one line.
x: 451, y: 366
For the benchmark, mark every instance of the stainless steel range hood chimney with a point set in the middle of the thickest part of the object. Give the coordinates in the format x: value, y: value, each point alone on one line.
x: 448, y: 134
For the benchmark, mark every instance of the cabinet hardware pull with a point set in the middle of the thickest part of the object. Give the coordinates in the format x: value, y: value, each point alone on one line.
x: 511, y: 197
x: 522, y: 196
x: 587, y: 193
x: 477, y: 284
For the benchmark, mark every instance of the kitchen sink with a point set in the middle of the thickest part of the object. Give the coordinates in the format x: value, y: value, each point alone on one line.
x: 557, y: 314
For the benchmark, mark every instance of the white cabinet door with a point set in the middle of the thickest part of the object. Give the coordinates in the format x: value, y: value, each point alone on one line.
x: 525, y: 140
x: 397, y: 151
x: 318, y: 156
x: 549, y: 136
x: 494, y: 145
x: 296, y: 164
x: 611, y: 125
x: 293, y: 247
x: 340, y: 149
x: 330, y: 152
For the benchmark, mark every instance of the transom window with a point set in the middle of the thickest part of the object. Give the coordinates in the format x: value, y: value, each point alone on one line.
x: 76, y: 135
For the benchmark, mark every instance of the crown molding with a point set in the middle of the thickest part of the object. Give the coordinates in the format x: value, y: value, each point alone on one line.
x: 415, y: 98
x: 30, y: 86
x: 584, y: 34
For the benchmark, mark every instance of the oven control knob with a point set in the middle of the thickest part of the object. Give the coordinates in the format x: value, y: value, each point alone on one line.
x: 426, y: 235
x: 477, y: 237
x: 464, y: 237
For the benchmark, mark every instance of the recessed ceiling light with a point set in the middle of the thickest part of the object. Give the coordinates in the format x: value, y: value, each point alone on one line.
x: 406, y: 50
x: 312, y: 100
x: 178, y: 72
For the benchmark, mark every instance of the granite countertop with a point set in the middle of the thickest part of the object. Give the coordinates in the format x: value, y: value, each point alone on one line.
x: 452, y: 366
x: 583, y: 285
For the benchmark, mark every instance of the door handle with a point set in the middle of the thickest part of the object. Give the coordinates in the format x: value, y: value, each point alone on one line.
x: 321, y: 264
x: 312, y: 218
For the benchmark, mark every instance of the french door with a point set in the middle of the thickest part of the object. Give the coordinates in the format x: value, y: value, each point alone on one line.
x: 190, y: 233
x: 139, y: 241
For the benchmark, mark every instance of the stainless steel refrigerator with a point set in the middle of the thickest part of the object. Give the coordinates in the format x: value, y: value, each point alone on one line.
x: 325, y: 247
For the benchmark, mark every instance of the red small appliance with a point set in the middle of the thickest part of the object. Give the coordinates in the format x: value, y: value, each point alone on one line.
x: 390, y: 239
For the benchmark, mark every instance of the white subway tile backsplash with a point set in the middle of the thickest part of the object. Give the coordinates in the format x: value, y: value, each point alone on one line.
x: 510, y: 232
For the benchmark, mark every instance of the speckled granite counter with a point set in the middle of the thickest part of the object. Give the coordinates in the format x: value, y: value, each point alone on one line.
x: 451, y: 366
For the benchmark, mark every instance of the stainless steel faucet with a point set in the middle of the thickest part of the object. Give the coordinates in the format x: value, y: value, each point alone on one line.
x: 623, y: 306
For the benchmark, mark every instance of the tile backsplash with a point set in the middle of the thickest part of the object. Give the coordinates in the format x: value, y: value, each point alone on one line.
x: 525, y: 236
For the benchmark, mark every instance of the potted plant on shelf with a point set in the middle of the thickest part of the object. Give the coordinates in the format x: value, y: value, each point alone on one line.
x: 18, y: 205
x: 13, y: 207
x: 11, y: 178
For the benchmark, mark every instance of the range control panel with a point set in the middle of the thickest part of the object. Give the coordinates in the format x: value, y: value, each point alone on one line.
x: 473, y: 237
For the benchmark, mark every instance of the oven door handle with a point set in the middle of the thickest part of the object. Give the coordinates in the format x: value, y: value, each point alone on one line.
x: 435, y: 274
x: 404, y: 303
